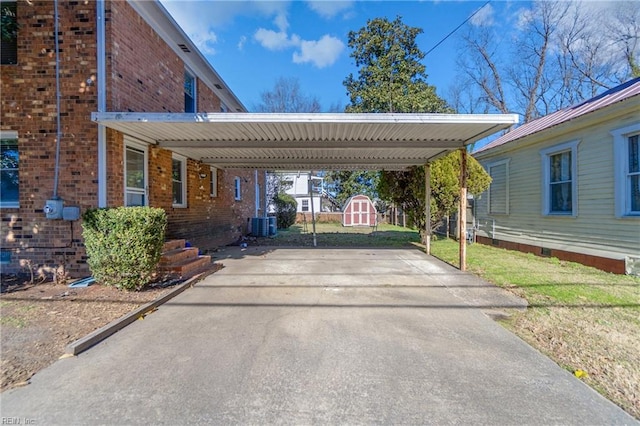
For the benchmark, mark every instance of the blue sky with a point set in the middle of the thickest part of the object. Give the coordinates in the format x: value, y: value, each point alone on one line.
x: 253, y: 43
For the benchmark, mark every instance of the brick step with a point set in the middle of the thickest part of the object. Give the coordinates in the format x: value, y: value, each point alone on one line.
x: 188, y: 266
x: 178, y: 255
x: 173, y: 245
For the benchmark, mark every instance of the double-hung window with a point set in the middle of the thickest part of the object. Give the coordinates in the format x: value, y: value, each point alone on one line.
x: 135, y: 175
x: 237, y: 189
x: 179, y: 180
x: 305, y: 205
x: 189, y: 92
x: 626, y: 150
x: 9, y: 170
x: 213, y: 182
x: 559, y: 179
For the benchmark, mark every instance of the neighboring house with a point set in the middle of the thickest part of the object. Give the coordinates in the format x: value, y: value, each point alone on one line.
x: 359, y: 210
x: 568, y: 184
x: 112, y: 56
x: 297, y: 185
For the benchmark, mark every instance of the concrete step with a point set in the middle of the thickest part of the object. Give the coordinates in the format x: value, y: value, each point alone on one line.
x: 173, y: 245
x: 178, y: 255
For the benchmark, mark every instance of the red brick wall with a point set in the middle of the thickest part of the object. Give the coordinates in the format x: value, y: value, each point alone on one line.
x: 617, y: 266
x: 143, y: 75
x: 151, y: 79
x: 28, y: 106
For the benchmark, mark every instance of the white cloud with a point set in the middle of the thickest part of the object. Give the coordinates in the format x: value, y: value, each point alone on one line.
x: 273, y: 40
x: 281, y: 22
x: 241, y: 43
x: 321, y: 53
x: 205, y: 41
x: 329, y: 9
x: 484, y: 17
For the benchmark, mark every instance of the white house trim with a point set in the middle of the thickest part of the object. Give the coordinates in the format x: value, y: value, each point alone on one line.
x: 546, y: 154
x: 621, y: 169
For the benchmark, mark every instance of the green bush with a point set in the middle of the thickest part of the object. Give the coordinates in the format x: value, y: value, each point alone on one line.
x: 124, y: 244
x: 286, y: 207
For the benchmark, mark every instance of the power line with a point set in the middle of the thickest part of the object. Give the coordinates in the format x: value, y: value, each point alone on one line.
x: 457, y: 28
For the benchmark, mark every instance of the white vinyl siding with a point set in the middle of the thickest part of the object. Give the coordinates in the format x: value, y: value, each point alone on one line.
x: 559, y: 179
x: 135, y: 174
x: 626, y: 146
x: 499, y: 188
x: 179, y: 180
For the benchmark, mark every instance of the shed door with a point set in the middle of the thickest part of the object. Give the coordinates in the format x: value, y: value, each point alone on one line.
x: 360, y: 212
x: 364, y: 215
x: 355, y: 212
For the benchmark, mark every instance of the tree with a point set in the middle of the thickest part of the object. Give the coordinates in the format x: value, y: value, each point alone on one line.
x: 406, y: 189
x: 346, y: 184
x: 286, y: 96
x: 392, y: 78
x: 563, y: 52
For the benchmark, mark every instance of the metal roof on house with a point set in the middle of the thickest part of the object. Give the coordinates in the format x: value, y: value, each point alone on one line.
x: 308, y: 141
x: 610, y: 97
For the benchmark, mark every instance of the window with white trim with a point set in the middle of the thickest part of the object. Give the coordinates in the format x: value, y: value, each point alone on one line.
x: 189, y: 92
x: 498, y: 195
x: 237, y: 189
x: 559, y: 180
x: 9, y: 170
x: 213, y: 182
x: 179, y: 180
x: 135, y: 175
x: 305, y: 205
x: 626, y: 150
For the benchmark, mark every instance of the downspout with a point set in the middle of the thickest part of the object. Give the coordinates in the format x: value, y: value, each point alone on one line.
x: 102, y: 103
x: 256, y: 188
x: 266, y: 202
x: 56, y: 171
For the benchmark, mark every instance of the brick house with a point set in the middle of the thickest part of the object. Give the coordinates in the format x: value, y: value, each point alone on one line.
x: 111, y: 56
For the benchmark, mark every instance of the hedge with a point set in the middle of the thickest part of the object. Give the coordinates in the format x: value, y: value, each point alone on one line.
x: 124, y: 244
x: 285, y: 206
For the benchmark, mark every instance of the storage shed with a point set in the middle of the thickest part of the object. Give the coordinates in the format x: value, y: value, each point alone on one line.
x: 359, y: 211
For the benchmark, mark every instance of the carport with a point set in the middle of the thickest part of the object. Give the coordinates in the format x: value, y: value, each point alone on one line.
x: 316, y: 141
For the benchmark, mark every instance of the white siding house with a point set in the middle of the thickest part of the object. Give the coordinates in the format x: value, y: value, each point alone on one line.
x: 297, y: 185
x: 568, y: 184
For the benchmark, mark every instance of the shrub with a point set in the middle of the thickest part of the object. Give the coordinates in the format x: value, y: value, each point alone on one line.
x: 124, y: 244
x: 286, y: 207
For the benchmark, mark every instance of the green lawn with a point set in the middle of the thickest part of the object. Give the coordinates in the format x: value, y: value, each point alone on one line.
x: 336, y: 235
x: 582, y: 318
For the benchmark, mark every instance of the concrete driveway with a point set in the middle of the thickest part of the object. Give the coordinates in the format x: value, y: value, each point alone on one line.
x: 316, y: 336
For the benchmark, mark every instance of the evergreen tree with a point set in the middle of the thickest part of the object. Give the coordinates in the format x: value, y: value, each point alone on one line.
x: 392, y: 78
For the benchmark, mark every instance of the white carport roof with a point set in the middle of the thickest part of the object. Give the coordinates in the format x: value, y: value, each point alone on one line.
x: 308, y: 141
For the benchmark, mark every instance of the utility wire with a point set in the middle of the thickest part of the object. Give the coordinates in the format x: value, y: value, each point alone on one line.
x: 457, y: 28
